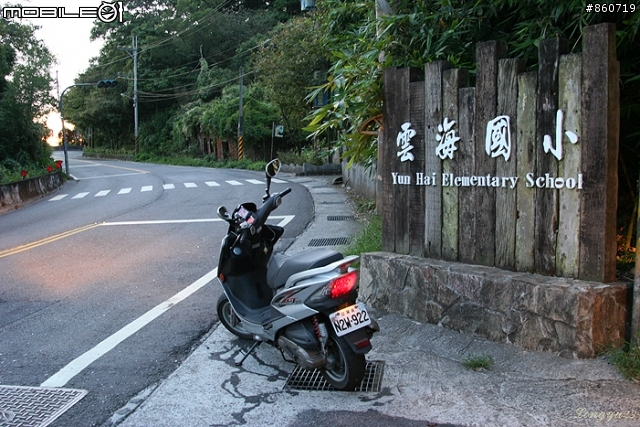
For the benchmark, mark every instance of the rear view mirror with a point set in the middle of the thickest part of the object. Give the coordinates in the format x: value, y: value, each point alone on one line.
x: 273, y: 167
x: 271, y: 170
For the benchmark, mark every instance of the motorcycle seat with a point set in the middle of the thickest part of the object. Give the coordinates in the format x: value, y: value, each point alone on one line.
x: 282, y: 266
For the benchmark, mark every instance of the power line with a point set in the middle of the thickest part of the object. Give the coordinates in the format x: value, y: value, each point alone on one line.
x: 206, y: 18
x: 156, y: 97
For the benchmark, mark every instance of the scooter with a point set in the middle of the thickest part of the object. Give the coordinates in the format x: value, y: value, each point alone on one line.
x: 303, y: 304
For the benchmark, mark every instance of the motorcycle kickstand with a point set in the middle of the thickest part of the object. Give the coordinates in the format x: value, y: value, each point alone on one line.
x: 253, y: 347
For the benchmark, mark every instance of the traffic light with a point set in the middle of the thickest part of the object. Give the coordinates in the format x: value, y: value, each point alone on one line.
x: 106, y: 84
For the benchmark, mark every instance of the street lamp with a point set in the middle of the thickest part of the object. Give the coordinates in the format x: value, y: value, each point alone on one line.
x: 101, y: 84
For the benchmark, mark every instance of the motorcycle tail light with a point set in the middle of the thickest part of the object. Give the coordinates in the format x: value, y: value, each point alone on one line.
x: 342, y: 285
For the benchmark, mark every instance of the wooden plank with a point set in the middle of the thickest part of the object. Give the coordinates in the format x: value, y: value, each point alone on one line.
x: 466, y: 167
x: 487, y: 56
x: 568, y: 246
x: 433, y: 164
x: 547, y: 198
x: 506, y: 211
x: 402, y: 166
x: 387, y: 157
x: 526, y: 144
x: 599, y: 144
x: 416, y: 193
x: 452, y: 81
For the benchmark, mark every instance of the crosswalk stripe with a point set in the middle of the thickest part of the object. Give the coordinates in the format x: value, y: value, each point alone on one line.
x: 147, y: 188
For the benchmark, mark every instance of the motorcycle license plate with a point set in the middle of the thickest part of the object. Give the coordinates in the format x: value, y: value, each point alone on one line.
x: 350, y: 319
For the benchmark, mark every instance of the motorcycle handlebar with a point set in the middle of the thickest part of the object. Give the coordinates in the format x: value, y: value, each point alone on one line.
x: 285, y: 192
x: 261, y: 214
x: 268, y: 206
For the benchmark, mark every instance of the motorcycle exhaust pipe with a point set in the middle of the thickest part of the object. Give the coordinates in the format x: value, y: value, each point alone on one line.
x: 307, y: 359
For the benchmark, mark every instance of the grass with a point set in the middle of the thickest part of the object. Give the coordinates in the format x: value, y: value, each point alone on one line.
x: 477, y: 362
x: 627, y: 360
x: 370, y: 238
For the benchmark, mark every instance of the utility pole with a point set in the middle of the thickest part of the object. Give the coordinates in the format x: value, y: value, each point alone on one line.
x: 58, y: 94
x: 64, y: 138
x: 240, y: 123
x: 133, y: 53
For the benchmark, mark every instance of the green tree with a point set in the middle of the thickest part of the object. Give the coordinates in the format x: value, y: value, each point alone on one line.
x: 189, y: 50
x: 288, y: 65
x: 24, y: 97
x: 428, y: 30
x: 220, y: 117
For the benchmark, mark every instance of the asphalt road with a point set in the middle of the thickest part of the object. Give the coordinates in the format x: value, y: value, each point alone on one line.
x: 105, y: 284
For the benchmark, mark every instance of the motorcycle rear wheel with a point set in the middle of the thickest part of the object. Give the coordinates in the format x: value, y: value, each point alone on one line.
x: 228, y: 318
x: 347, y: 369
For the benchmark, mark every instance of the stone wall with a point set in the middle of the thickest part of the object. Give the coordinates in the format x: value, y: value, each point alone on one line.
x: 573, y: 318
x: 19, y: 192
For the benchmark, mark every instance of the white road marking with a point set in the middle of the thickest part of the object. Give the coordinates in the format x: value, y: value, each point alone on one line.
x: 286, y: 219
x: 148, y: 188
x: 62, y: 377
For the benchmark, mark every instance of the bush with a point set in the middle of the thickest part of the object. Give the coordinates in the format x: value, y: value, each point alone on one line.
x: 627, y: 359
x: 309, y: 155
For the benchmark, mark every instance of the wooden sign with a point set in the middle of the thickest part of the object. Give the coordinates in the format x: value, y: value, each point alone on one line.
x: 519, y: 172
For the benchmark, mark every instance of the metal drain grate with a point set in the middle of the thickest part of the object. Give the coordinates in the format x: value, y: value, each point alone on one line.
x: 35, y: 406
x: 302, y: 379
x: 341, y: 218
x: 330, y: 241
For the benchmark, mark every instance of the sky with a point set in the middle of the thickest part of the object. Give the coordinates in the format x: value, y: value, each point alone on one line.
x: 68, y: 40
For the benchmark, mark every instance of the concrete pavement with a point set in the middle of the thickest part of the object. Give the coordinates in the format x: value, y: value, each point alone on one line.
x: 423, y: 381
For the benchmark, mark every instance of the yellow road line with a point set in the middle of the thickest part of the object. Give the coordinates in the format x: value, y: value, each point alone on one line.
x: 44, y: 241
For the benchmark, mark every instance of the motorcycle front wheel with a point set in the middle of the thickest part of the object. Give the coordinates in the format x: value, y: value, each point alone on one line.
x: 228, y: 318
x: 345, y: 369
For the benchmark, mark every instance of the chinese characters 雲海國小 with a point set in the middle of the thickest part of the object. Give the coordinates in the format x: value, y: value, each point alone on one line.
x: 497, y: 139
